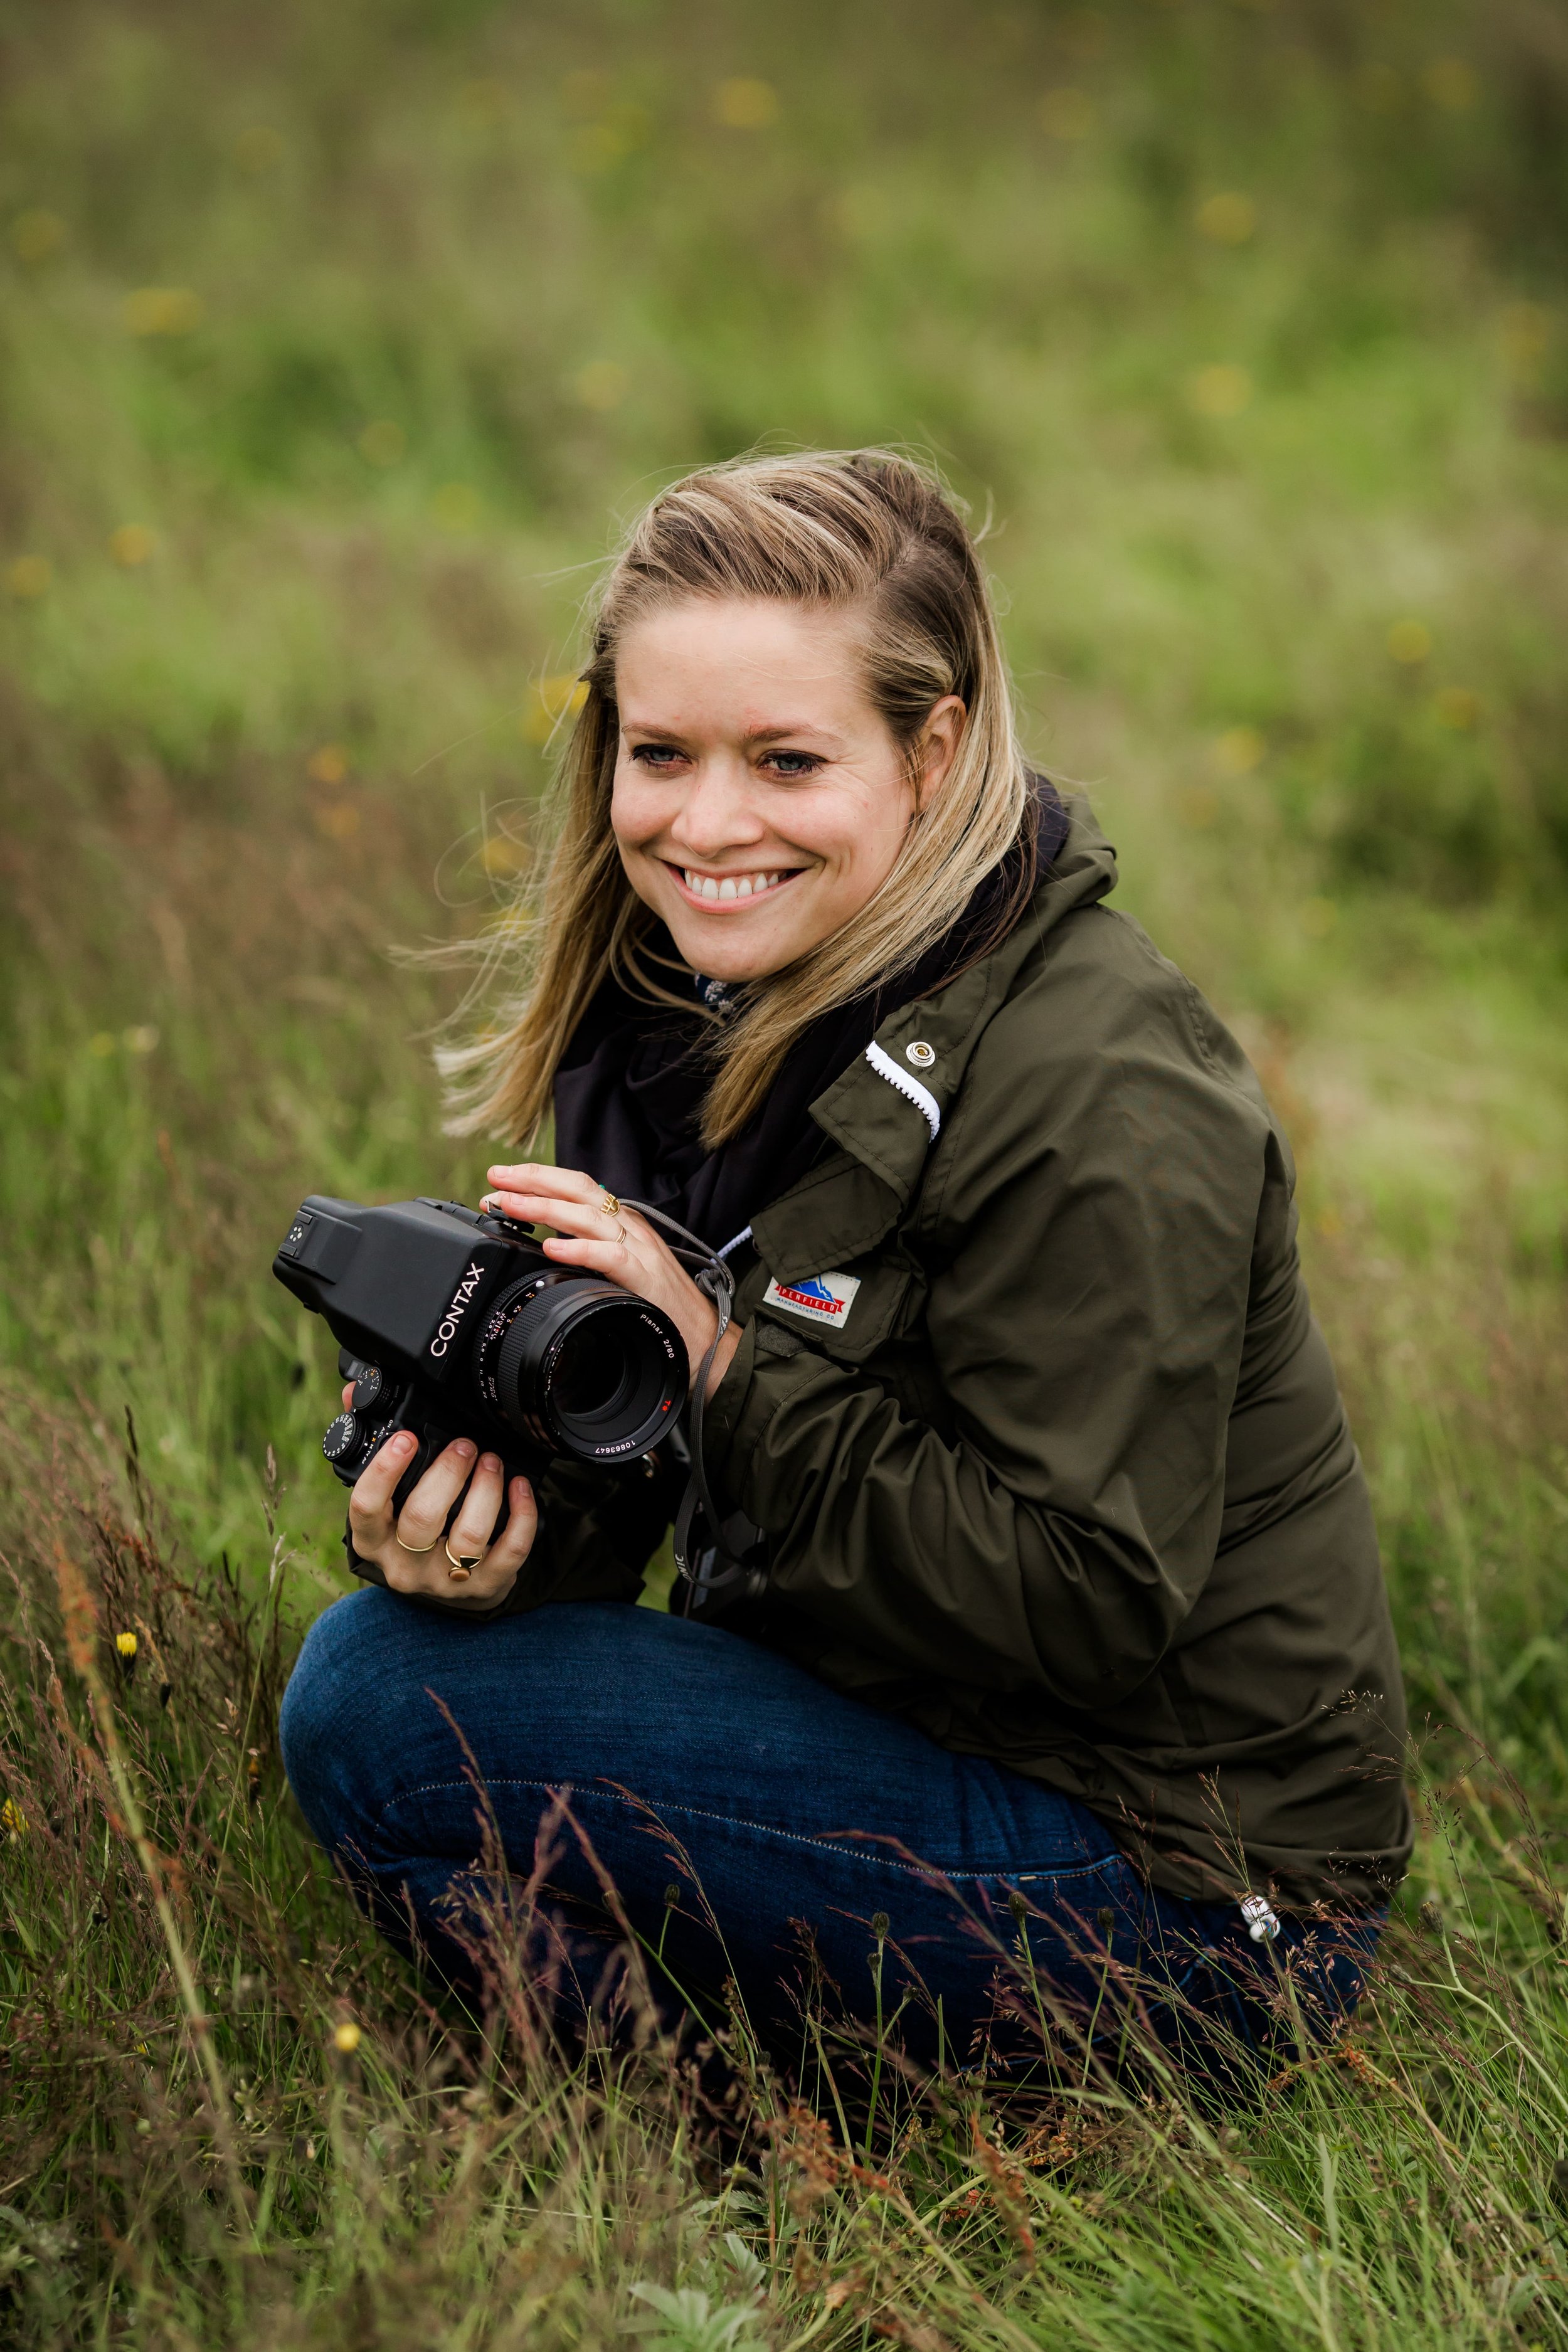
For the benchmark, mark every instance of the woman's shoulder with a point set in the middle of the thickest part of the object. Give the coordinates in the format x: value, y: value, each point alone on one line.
x: 1102, y: 1069
x: 1096, y: 978
x: 1083, y: 974
x: 1095, y: 1019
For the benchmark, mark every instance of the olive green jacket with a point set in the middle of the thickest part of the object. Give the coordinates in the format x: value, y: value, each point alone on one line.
x: 1059, y: 1470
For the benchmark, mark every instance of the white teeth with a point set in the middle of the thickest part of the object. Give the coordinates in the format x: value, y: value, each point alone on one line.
x: 742, y: 886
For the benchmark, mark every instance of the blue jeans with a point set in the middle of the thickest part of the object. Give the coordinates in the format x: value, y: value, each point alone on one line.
x: 787, y: 1819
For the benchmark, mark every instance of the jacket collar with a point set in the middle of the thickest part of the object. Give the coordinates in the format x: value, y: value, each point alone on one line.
x: 846, y: 1205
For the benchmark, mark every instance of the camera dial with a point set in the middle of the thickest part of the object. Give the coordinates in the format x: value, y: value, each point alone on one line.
x: 342, y: 1439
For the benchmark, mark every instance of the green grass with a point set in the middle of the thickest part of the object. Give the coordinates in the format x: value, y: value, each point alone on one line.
x: 447, y: 288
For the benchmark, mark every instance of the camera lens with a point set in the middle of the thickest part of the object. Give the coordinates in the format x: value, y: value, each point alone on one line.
x: 581, y: 1366
x: 592, y: 1376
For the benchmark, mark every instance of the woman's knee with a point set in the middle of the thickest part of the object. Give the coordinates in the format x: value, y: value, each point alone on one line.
x: 329, y: 1724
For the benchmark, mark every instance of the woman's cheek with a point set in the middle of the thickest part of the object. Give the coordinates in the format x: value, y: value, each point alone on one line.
x: 632, y: 829
x: 639, y: 809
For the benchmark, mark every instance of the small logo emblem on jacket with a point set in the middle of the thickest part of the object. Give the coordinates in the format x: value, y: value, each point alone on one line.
x: 816, y: 1297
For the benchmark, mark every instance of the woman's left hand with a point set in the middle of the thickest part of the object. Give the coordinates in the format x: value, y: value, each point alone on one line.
x: 596, y: 1232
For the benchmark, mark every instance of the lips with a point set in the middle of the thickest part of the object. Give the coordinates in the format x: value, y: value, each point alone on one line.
x: 727, y: 889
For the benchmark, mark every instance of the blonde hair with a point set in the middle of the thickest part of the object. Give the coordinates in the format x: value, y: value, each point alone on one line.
x: 867, y: 534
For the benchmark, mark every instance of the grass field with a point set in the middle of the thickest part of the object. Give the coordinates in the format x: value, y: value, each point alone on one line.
x: 336, y: 344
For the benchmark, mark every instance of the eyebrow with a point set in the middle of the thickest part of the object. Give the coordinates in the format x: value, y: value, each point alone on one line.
x: 758, y: 735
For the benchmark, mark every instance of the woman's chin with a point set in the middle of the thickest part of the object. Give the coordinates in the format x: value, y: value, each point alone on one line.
x: 740, y: 942
x: 726, y: 958
x: 732, y: 947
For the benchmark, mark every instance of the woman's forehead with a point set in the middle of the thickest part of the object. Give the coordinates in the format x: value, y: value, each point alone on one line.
x: 760, y: 667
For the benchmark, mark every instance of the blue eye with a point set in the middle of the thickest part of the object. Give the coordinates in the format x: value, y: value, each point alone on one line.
x: 794, y: 763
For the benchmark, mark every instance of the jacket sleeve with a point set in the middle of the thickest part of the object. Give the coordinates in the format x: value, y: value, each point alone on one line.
x: 1085, y: 1234
x: 598, y: 1529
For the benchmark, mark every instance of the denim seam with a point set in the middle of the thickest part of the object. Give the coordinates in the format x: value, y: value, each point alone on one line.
x: 766, y: 1829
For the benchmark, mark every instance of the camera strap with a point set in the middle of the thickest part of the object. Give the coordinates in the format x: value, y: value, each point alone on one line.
x: 721, y: 1563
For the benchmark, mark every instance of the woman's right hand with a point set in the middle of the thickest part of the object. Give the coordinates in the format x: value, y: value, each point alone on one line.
x: 411, y: 1553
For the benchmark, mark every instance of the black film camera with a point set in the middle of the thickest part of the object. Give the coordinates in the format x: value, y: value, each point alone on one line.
x: 453, y: 1324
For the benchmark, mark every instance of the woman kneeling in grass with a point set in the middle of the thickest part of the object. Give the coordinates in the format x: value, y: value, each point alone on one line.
x: 1067, y: 1651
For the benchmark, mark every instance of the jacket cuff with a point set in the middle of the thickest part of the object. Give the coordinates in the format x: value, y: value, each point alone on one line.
x: 769, y: 1370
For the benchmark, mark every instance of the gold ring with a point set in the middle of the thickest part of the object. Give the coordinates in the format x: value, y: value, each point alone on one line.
x: 461, y: 1569
x: 621, y: 1233
x: 417, y: 1551
x: 608, y: 1204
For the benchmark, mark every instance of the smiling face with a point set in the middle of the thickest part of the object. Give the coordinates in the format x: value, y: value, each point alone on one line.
x: 759, y: 797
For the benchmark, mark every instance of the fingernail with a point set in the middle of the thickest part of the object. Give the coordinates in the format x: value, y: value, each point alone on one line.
x: 404, y: 1443
x: 490, y: 1462
x: 464, y: 1447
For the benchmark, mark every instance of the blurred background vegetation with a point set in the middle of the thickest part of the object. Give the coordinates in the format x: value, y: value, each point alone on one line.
x: 338, y: 343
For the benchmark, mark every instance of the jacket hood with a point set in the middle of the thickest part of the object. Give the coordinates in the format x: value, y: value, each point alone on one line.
x: 1082, y: 872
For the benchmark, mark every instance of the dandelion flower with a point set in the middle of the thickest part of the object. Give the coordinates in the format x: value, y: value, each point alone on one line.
x: 383, y: 442
x: 552, y: 701
x: 1068, y: 113
x: 1409, y: 642
x: 502, y: 857
x: 36, y: 235
x: 602, y: 385
x: 259, y: 148
x: 29, y: 577
x: 1228, y: 218
x: 162, y: 310
x: 456, y: 506
x: 1451, y: 84
x: 1219, y: 390
x: 338, y: 820
x: 1238, y: 750
x: 329, y: 765
x: 743, y: 103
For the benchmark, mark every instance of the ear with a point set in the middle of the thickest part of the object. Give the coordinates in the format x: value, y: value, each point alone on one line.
x: 937, y: 747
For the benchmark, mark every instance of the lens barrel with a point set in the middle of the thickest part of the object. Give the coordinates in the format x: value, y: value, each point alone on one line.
x: 580, y: 1366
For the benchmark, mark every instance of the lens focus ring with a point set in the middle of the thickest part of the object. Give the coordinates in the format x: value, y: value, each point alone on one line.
x: 581, y: 1366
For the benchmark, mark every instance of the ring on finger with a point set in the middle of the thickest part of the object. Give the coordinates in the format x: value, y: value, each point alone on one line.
x: 418, y: 1550
x: 461, y: 1569
x: 608, y: 1204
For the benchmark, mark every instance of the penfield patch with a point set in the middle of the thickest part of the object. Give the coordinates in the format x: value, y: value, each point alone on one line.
x: 815, y: 1297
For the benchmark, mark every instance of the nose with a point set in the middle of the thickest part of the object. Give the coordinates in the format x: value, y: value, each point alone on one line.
x: 716, y: 812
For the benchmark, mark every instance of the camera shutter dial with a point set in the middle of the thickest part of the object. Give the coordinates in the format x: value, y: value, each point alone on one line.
x: 342, y: 1439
